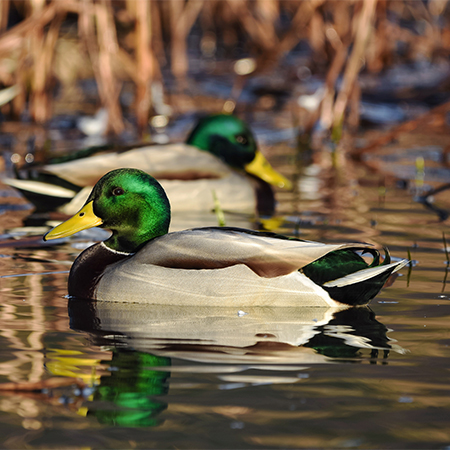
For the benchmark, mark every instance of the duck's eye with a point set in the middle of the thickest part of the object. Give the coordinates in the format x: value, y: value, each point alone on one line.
x: 118, y: 191
x: 241, y: 139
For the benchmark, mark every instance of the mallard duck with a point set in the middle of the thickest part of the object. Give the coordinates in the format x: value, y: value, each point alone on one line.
x: 220, y: 158
x: 141, y: 262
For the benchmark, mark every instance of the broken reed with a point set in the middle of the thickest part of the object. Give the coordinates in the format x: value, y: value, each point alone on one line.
x: 134, y: 39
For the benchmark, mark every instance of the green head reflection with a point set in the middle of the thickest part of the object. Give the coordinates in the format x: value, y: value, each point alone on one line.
x: 127, y: 396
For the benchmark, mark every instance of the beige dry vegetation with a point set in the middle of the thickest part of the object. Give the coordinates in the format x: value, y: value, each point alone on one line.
x: 122, y: 41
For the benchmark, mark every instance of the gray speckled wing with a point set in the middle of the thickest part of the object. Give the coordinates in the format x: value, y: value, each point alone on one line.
x: 214, y: 248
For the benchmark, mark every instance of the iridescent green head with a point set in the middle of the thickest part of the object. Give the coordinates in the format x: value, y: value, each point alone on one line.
x: 129, y: 202
x: 231, y: 140
x: 226, y: 137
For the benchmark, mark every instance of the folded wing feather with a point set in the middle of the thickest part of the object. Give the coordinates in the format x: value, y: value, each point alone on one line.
x: 213, y: 248
x: 365, y: 274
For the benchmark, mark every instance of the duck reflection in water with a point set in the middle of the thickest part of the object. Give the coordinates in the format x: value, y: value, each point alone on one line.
x: 144, y: 339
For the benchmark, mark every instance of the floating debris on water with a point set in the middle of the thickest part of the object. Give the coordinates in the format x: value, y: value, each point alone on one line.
x: 237, y: 425
x: 229, y: 386
x: 303, y: 375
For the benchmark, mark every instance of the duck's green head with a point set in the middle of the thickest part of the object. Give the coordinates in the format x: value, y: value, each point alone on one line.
x: 231, y: 140
x: 129, y: 202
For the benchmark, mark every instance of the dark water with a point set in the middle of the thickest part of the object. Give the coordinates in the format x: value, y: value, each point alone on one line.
x: 158, y: 377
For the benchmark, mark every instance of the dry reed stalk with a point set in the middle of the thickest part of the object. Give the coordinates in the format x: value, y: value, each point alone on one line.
x: 302, y: 17
x: 4, y: 11
x: 13, y: 39
x: 36, y: 5
x: 182, y: 18
x: 326, y: 114
x: 15, y: 43
x: 144, y: 60
x: 268, y: 10
x: 227, y: 26
x: 43, y: 54
x: 35, y: 39
x: 101, y: 46
x: 20, y: 79
x: 87, y: 34
x: 260, y: 28
x: 354, y: 64
x: 437, y: 7
x: 108, y: 85
x: 316, y: 36
x: 255, y: 23
x: 381, y: 47
x: 338, y: 62
x: 257, y: 18
x: 157, y: 37
x: 354, y: 107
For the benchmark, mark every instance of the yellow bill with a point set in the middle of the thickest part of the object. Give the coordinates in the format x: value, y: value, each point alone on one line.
x: 261, y: 168
x: 82, y: 220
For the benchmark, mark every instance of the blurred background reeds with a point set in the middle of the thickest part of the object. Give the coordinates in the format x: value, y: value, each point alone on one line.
x: 141, y: 59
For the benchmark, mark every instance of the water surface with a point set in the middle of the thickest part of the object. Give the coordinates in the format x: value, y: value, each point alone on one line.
x: 158, y: 377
